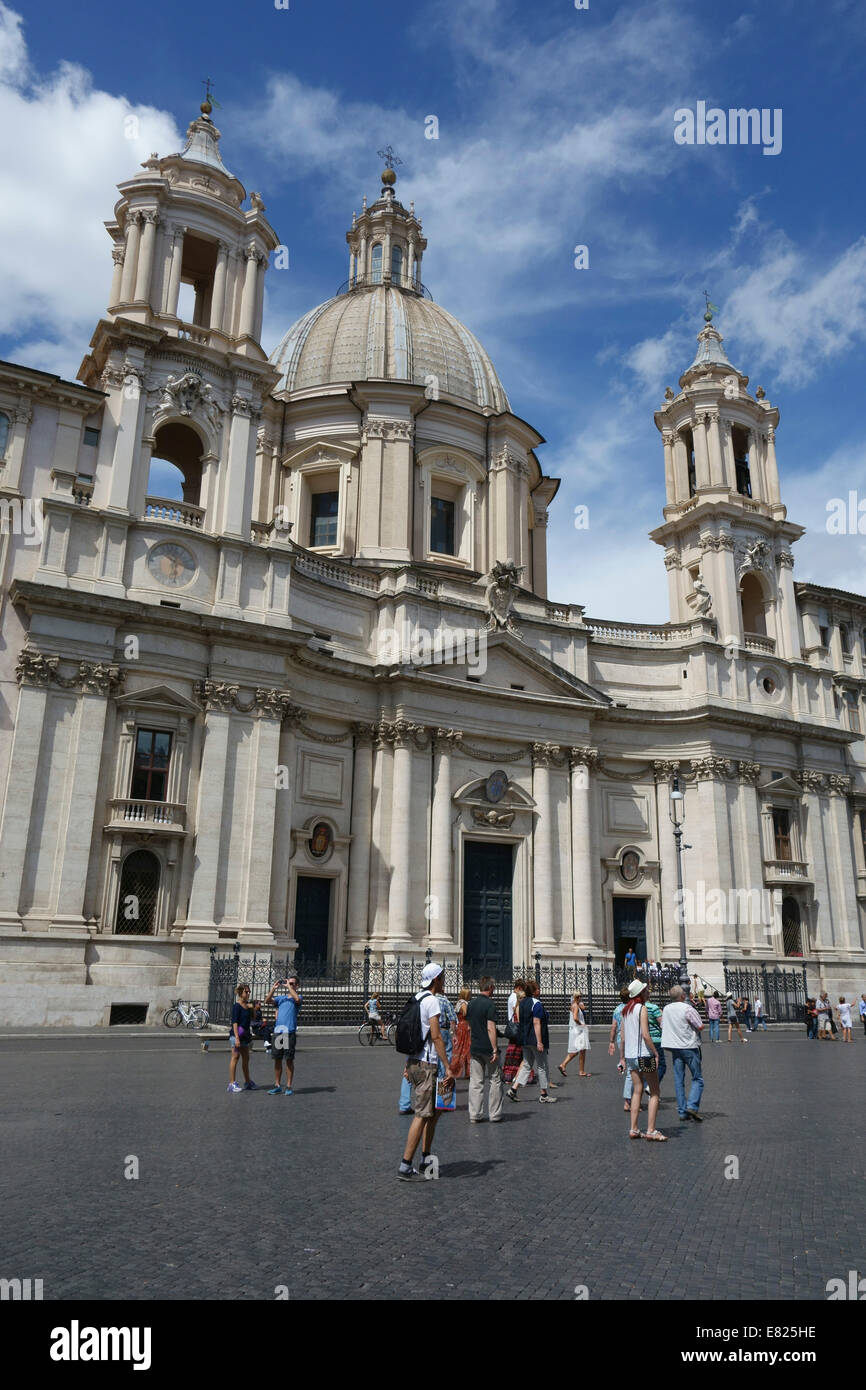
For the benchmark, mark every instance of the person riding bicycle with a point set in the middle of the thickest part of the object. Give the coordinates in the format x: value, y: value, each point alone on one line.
x: 373, y: 1010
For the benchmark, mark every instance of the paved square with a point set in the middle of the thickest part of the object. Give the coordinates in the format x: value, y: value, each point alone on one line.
x: 239, y: 1194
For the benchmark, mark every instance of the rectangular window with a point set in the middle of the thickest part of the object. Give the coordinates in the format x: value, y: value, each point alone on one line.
x: 442, y: 525
x: 323, y: 518
x: 150, y: 768
x: 91, y: 436
x: 782, y: 834
x: 853, y: 711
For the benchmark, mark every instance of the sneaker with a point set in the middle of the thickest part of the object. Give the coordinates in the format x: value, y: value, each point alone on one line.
x: 412, y: 1175
x: 478, y: 1119
x: 405, y: 1112
x: 693, y: 1115
x: 250, y: 1086
x: 288, y: 1091
x: 511, y: 1094
x: 547, y: 1100
x: 275, y: 1091
x: 234, y: 1088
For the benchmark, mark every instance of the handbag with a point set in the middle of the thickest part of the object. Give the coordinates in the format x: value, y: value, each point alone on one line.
x: 513, y: 1031
x: 648, y: 1063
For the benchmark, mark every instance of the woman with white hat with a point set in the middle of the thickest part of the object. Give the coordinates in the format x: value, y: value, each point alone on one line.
x: 638, y: 1052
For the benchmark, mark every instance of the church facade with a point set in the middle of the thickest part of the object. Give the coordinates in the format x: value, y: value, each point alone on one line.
x: 313, y: 696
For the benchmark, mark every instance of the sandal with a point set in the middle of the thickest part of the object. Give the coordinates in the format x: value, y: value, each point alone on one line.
x: 657, y: 1136
x: 634, y: 1134
x: 561, y: 1070
x: 584, y: 1074
x: 626, y: 1105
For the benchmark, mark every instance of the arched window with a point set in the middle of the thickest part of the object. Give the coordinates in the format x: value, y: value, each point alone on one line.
x: 752, y: 603
x: 175, y: 468
x: 396, y: 265
x: 139, y: 887
x: 740, y: 440
x: 4, y: 434
x: 792, y: 938
x: 376, y: 264
x: 688, y: 440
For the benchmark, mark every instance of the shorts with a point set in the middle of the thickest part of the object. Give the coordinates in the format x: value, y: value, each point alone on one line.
x: 422, y: 1076
x: 283, y: 1044
x: 825, y: 1026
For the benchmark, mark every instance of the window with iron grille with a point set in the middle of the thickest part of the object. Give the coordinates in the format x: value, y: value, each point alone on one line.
x: 324, y: 507
x: 150, y: 765
x: 792, y: 939
x: 782, y: 833
x: 139, y: 887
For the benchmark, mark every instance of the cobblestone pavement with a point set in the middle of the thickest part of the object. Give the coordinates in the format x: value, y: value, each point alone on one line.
x: 304, y: 1187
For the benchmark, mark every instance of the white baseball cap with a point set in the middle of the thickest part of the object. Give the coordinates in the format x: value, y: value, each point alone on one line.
x: 431, y: 972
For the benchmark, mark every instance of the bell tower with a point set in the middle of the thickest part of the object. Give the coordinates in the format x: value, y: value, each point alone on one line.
x: 726, y: 536
x: 178, y: 352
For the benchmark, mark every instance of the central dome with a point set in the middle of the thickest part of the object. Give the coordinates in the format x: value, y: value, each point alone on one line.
x: 379, y: 332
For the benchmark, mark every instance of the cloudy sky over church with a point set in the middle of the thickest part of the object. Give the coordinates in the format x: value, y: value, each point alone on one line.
x: 556, y: 129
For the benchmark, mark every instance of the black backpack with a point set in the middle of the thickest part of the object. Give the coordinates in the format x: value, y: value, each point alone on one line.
x: 409, y: 1036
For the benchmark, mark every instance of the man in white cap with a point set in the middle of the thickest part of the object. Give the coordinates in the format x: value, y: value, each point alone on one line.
x: 422, y: 1069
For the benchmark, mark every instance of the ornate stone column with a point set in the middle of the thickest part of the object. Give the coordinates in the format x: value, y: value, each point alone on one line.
x: 130, y: 257
x: 587, y: 932
x: 702, y: 457
x: 218, y: 298
x: 278, y: 914
x: 670, y: 477
x: 847, y: 930
x: 268, y: 710
x: 399, y: 927
x: 145, y: 257
x: 357, y: 925
x: 172, y: 284
x: 714, y: 439
x: 544, y: 933
x: 788, y: 619
x: 669, y: 930
x: 95, y: 683
x: 249, y: 301
x: 218, y: 699
x: 441, y: 853
x: 117, y: 275
x: 681, y: 467
x: 774, y: 496
x: 35, y: 672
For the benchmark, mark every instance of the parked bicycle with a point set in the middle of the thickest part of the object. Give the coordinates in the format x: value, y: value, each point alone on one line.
x: 186, y: 1013
x: 369, y: 1033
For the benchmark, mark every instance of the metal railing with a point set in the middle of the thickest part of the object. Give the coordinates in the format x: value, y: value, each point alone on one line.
x: 782, y: 992
x: 335, y: 991
x: 398, y: 282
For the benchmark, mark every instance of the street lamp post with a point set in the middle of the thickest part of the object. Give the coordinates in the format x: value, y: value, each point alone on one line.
x: 677, y: 816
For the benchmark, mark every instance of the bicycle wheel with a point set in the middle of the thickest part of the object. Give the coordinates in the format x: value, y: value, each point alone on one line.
x: 366, y: 1035
x: 391, y: 1032
x: 172, y: 1018
x: 202, y: 1018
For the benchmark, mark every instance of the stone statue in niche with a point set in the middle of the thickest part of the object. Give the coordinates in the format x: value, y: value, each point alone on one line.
x: 702, y: 601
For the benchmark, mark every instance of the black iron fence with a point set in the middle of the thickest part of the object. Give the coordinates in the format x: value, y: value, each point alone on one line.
x: 782, y: 992
x: 335, y: 992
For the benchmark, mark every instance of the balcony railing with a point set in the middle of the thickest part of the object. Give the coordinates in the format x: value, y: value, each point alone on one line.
x: 178, y: 513
x: 146, y: 815
x: 786, y: 868
x: 400, y: 282
x: 756, y: 642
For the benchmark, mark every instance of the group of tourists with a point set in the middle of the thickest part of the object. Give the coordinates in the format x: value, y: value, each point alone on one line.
x: 281, y: 1039
x: 819, y: 1019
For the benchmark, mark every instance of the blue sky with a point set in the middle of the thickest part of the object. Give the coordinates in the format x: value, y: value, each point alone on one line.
x: 555, y: 129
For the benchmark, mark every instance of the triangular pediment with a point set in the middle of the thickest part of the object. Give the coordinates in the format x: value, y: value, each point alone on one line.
x: 500, y: 661
x: 160, y: 697
x: 784, y: 786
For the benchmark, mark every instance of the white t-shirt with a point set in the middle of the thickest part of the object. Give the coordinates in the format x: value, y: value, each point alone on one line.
x: 512, y: 1003
x: 759, y: 1009
x: 635, y: 1043
x: 430, y: 1008
x: 680, y: 1026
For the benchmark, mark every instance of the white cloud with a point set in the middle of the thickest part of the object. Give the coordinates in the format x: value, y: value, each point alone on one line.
x: 58, y: 173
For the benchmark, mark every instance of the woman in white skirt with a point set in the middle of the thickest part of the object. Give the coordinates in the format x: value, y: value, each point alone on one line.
x: 578, y: 1038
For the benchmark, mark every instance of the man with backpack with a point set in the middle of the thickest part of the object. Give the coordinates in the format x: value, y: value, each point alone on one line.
x: 419, y: 1037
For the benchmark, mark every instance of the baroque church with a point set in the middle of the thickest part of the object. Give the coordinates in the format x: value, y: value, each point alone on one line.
x: 279, y: 665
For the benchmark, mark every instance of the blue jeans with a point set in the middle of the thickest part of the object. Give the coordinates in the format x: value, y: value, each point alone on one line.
x: 714, y: 1029
x: 690, y: 1057
x: 761, y: 1022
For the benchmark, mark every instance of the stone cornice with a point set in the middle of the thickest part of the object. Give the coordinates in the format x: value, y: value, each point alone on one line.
x: 36, y: 668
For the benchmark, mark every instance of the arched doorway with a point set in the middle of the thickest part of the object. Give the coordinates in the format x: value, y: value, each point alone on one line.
x: 139, y: 887
x: 752, y: 605
x: 792, y: 936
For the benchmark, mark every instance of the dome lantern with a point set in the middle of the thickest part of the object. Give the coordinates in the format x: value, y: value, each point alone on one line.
x: 385, y: 242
